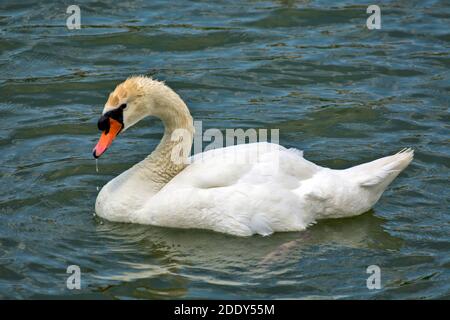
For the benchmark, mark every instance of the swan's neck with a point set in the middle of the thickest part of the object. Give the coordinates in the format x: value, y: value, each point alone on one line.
x: 170, y: 156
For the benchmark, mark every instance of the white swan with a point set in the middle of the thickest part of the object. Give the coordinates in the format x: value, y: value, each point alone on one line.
x: 274, y: 189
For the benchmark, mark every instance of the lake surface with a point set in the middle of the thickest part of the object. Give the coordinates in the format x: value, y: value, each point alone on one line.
x: 340, y: 92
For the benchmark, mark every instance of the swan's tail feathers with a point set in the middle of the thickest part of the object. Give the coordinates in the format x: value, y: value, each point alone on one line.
x: 381, y: 172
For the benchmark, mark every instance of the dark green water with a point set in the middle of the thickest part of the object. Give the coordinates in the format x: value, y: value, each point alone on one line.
x: 338, y: 91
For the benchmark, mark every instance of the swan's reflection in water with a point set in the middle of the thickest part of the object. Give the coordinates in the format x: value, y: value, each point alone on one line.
x: 161, y: 262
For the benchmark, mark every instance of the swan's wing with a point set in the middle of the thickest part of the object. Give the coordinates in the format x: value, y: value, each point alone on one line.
x: 246, y: 163
x: 242, y: 189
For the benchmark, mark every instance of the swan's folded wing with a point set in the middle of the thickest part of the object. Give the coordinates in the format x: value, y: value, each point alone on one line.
x: 253, y: 163
x: 226, y: 166
x: 220, y: 193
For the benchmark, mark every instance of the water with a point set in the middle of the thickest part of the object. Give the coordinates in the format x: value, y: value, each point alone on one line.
x: 342, y: 93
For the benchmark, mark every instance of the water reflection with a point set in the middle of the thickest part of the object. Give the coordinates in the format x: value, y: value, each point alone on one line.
x: 167, y: 260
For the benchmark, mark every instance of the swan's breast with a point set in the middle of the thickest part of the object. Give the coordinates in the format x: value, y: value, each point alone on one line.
x: 122, y: 197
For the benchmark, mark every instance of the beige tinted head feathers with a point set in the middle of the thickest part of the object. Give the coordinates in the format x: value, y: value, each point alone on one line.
x: 134, y: 99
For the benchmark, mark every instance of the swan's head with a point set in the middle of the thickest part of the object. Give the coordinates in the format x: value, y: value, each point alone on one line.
x: 130, y: 102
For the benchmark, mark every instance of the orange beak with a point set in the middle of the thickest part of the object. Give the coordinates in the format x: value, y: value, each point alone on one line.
x: 107, y: 138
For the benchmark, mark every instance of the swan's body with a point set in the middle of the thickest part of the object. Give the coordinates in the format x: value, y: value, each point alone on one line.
x: 246, y: 189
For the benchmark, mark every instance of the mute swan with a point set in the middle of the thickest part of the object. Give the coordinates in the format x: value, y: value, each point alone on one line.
x: 276, y: 191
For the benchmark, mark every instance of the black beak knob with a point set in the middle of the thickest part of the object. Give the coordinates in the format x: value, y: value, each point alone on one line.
x: 103, y: 123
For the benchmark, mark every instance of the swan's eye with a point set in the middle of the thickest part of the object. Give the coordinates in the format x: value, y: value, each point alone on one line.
x: 123, y: 106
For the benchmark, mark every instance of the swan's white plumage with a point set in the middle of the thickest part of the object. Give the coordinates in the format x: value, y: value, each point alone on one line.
x: 247, y: 189
x: 261, y: 197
